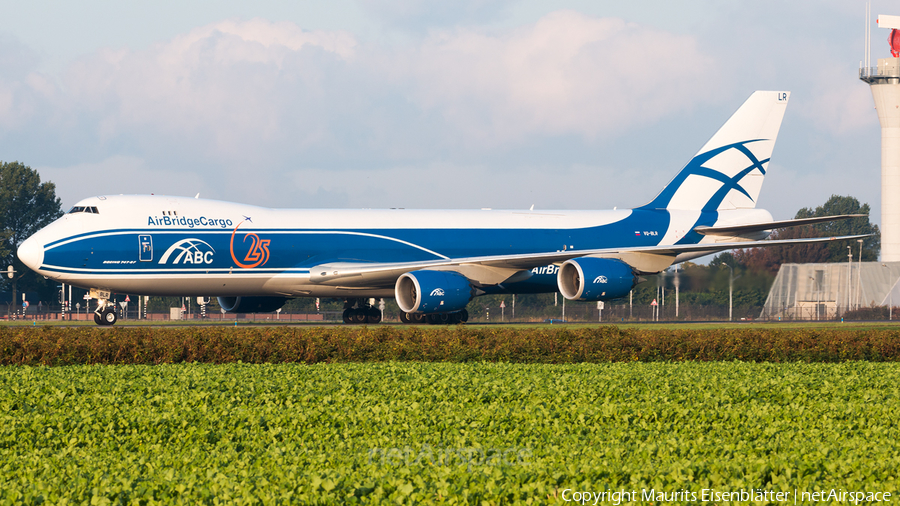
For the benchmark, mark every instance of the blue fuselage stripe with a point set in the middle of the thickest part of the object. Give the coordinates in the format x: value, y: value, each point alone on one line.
x: 295, y: 250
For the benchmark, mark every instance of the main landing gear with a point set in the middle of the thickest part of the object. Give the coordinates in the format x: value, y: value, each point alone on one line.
x: 436, y: 318
x: 357, y: 311
x: 412, y: 318
x: 364, y: 312
x: 105, y: 314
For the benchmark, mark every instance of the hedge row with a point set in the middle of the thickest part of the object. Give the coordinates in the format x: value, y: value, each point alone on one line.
x: 148, y: 345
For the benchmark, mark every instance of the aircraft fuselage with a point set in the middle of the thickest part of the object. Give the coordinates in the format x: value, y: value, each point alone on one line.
x: 158, y: 245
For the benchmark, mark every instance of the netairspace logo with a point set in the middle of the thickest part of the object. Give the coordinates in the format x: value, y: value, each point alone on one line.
x: 189, y: 251
x: 449, y: 457
x: 706, y: 495
x: 600, y: 279
x: 437, y: 292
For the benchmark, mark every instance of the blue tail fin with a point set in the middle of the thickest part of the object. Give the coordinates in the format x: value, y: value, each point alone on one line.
x: 728, y: 171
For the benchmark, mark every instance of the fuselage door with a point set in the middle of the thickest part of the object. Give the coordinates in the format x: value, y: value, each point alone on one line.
x: 145, y: 243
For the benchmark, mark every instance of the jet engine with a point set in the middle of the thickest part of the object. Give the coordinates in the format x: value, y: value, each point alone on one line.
x: 251, y: 304
x: 588, y: 278
x: 432, y: 292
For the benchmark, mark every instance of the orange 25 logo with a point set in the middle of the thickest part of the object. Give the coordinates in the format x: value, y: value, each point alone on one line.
x: 257, y: 255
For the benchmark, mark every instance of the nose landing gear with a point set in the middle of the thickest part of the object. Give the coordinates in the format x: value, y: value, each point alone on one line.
x: 105, y: 314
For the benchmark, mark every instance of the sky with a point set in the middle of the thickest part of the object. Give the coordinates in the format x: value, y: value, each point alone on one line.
x: 406, y: 103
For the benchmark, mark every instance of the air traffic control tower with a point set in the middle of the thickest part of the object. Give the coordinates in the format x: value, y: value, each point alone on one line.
x: 884, y: 80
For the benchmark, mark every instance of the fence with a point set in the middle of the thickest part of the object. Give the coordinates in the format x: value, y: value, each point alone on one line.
x: 43, y: 313
x: 584, y: 313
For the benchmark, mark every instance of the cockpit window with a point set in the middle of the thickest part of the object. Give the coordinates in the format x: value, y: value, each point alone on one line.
x: 84, y: 209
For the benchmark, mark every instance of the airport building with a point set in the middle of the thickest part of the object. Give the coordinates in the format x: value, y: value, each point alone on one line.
x: 827, y: 291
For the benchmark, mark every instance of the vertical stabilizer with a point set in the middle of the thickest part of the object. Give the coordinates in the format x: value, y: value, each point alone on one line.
x: 728, y: 171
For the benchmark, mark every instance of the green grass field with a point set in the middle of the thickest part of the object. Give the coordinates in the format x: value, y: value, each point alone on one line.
x: 440, y: 432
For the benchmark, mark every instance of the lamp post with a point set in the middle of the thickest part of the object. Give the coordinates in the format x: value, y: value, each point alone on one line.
x: 816, y: 285
x: 656, y: 309
x: 730, y: 291
x: 859, y: 273
x: 631, y: 304
x: 11, y: 272
x: 677, y: 283
x: 12, y: 275
x: 849, y: 282
x: 890, y: 294
x: 731, y: 279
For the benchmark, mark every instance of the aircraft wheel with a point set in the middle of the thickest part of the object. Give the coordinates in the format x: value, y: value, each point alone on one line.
x: 373, y: 315
x: 97, y: 319
x: 463, y: 316
x: 436, y: 319
x: 109, y: 317
x: 346, y: 316
x: 358, y: 316
x: 412, y: 318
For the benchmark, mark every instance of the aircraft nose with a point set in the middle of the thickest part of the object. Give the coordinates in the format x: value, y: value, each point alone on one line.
x: 31, y: 253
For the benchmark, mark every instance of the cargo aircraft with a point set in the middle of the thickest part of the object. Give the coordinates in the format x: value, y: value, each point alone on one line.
x: 432, y: 261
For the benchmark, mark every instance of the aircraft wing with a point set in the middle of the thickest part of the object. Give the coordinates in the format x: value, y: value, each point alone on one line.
x: 493, y: 269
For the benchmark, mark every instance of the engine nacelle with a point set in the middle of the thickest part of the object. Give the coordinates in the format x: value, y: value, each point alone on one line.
x: 251, y: 304
x: 589, y: 278
x: 432, y: 292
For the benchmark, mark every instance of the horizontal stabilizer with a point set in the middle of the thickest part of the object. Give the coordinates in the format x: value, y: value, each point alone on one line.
x: 737, y: 230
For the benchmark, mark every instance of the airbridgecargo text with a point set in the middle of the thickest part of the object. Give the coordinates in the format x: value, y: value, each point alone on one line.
x: 616, y: 497
x: 184, y: 221
x: 547, y: 269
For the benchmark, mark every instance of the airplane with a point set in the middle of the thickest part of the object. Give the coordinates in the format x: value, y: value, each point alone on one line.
x: 433, y: 262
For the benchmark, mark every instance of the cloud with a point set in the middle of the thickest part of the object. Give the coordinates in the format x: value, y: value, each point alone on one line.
x: 16, y: 59
x: 422, y: 15
x: 222, y: 90
x: 241, y: 106
x: 121, y: 175
x: 781, y: 198
x: 23, y: 91
x: 842, y: 108
x: 568, y: 74
x: 243, y: 87
x: 446, y: 185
